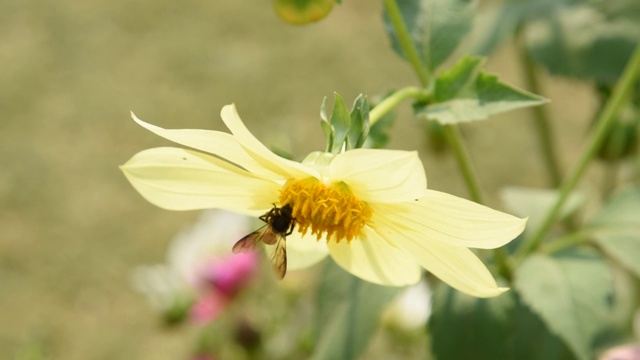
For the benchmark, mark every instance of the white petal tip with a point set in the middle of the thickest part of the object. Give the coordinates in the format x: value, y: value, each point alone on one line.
x: 136, y: 119
x: 228, y: 108
x: 493, y: 292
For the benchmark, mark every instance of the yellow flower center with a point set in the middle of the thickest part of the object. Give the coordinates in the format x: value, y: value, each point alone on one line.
x: 326, y: 209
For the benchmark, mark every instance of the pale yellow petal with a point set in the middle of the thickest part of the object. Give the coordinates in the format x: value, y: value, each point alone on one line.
x: 218, y: 143
x: 381, y: 176
x: 260, y: 153
x: 179, y: 179
x: 455, y: 265
x: 446, y: 218
x: 375, y: 260
x: 304, y: 251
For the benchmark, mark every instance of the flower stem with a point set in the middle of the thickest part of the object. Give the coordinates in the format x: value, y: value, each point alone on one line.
x: 565, y: 242
x: 541, y: 119
x: 390, y: 102
x: 603, y: 123
x: 452, y: 134
x: 406, y: 43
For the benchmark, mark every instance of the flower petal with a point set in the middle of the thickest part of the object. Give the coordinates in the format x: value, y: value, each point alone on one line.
x: 214, y: 142
x: 179, y: 179
x: 446, y: 218
x: 456, y: 265
x: 381, y: 176
x: 265, y: 157
x: 304, y: 251
x: 375, y: 260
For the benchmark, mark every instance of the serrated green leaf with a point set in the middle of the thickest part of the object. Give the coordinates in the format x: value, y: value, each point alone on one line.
x: 347, y: 313
x: 572, y: 294
x: 464, y: 327
x: 436, y: 27
x: 616, y: 228
x: 459, y: 80
x: 341, y: 122
x: 359, y: 122
x: 465, y: 94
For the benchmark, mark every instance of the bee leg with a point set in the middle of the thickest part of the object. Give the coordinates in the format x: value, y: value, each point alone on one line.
x: 290, y: 231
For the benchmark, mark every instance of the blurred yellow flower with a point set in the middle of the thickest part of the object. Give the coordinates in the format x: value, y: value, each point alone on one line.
x: 368, y: 208
x: 302, y: 12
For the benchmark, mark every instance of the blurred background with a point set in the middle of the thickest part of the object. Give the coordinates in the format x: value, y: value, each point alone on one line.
x: 71, y: 227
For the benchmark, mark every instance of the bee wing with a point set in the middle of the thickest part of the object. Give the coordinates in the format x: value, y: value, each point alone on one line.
x: 278, y: 255
x: 250, y: 242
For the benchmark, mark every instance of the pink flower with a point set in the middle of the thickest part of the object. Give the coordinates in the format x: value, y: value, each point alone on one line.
x: 231, y: 273
x: 221, y: 280
x: 208, y: 307
x: 201, y: 275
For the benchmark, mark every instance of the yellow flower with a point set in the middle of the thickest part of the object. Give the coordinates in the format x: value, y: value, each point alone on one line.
x: 369, y: 209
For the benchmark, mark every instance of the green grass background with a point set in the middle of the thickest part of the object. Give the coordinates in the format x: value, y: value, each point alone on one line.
x: 72, y: 228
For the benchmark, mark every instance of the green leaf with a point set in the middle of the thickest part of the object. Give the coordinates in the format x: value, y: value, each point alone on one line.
x: 347, y: 313
x: 572, y: 293
x: 536, y: 203
x: 616, y: 229
x: 436, y: 27
x: 533, y: 340
x: 464, y: 93
x: 496, y: 24
x: 463, y: 327
x: 459, y: 80
x: 587, y: 40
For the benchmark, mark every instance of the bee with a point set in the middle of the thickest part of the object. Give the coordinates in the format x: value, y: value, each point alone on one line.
x: 280, y: 224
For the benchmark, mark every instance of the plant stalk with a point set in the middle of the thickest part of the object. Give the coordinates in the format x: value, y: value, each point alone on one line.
x: 602, y: 126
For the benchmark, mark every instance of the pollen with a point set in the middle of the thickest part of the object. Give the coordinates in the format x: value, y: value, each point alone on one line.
x: 330, y: 210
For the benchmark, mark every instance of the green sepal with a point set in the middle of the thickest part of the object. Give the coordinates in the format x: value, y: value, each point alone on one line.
x: 341, y: 122
x: 327, y: 129
x: 177, y: 312
x: 359, y: 122
x: 345, y: 129
x: 465, y: 93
